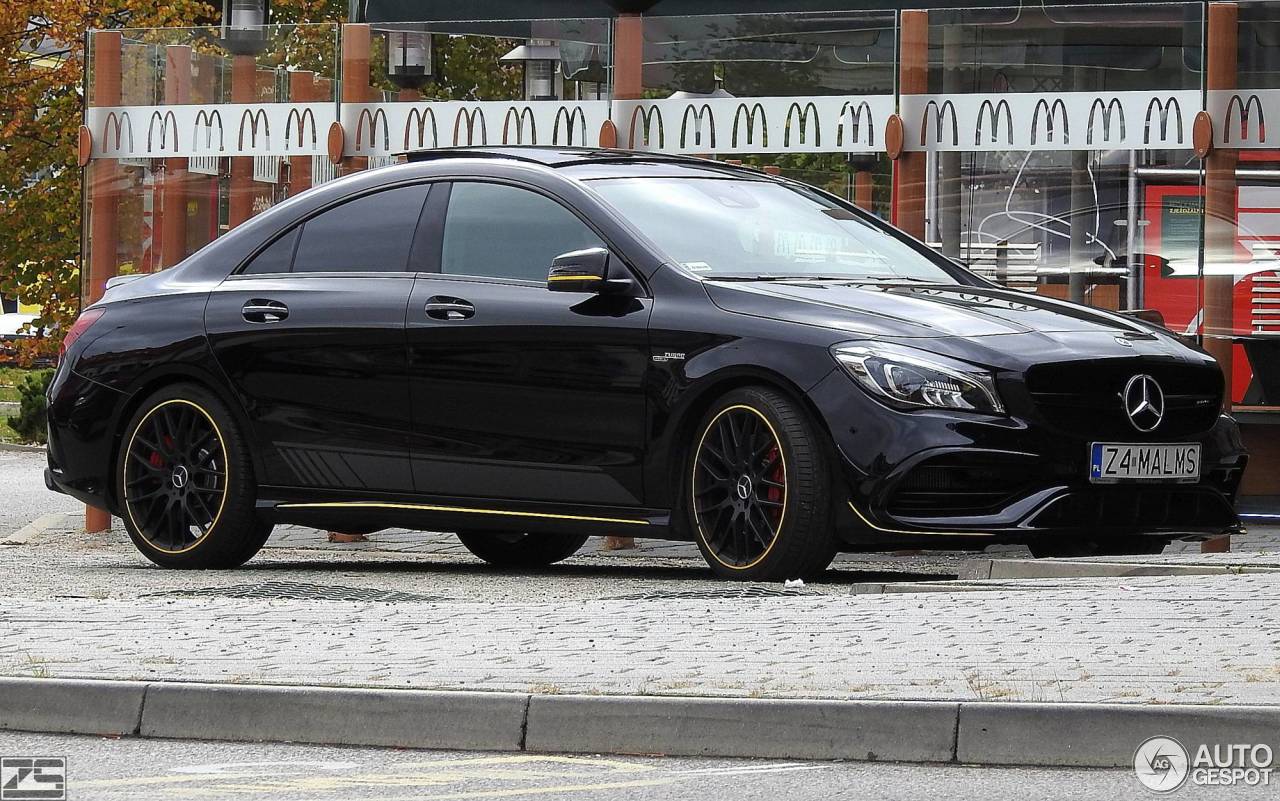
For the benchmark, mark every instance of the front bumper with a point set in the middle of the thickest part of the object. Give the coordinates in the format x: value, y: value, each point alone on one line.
x: 930, y: 475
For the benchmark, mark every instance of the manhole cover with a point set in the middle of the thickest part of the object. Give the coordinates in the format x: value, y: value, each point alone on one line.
x: 301, y: 592
x: 747, y: 591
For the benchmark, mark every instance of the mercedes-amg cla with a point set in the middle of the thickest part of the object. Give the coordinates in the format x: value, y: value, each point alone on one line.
x: 530, y: 346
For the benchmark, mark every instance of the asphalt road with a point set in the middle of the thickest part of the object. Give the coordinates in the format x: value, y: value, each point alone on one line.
x: 112, y: 770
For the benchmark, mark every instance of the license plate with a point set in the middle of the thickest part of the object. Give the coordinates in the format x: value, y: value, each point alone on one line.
x: 1119, y: 461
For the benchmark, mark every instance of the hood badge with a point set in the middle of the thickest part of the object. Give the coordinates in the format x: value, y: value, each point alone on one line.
x: 1124, y: 341
x: 1144, y: 403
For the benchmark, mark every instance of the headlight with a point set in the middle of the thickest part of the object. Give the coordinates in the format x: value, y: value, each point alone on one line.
x: 910, y: 378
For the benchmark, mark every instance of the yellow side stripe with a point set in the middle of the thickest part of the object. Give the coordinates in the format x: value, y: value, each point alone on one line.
x: 863, y: 518
x: 573, y: 278
x: 422, y: 507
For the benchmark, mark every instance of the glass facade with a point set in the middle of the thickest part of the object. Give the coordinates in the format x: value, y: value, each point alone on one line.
x: 1116, y: 155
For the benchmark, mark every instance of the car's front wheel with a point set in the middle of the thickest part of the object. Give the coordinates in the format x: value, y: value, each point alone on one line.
x: 186, y: 484
x: 759, y: 489
x: 517, y: 549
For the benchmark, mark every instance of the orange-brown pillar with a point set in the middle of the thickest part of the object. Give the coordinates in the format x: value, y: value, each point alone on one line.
x: 1220, y: 211
x: 103, y: 191
x: 1220, y: 196
x: 302, y: 89
x: 173, y: 203
x: 628, y: 84
x: 863, y: 184
x: 913, y: 79
x: 356, y: 41
x: 244, y: 80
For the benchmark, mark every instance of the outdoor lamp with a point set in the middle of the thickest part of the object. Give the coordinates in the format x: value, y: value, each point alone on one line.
x: 409, y: 63
x: 592, y: 78
x: 243, y: 22
x: 541, y: 58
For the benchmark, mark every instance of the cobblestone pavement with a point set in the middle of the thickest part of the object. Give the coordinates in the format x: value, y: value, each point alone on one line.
x: 411, y: 609
x: 90, y: 607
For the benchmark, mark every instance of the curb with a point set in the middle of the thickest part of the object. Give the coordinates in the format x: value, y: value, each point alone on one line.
x: 979, y: 733
x: 1010, y: 569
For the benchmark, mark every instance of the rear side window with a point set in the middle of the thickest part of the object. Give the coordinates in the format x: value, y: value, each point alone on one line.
x: 373, y: 233
x: 277, y: 257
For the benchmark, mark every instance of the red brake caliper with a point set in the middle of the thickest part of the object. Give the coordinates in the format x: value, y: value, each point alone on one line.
x: 155, y: 459
x: 775, y: 493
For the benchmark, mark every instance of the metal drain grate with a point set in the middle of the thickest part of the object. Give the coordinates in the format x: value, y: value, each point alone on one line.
x: 729, y: 593
x: 300, y: 591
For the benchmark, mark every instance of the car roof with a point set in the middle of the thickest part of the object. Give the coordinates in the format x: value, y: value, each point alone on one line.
x: 588, y: 162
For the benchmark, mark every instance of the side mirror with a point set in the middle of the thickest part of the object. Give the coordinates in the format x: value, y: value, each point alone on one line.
x: 590, y: 270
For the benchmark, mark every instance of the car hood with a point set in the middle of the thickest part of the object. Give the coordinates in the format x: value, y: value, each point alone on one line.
x: 998, y: 327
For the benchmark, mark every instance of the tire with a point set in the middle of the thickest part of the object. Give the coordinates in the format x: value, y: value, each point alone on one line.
x: 516, y: 549
x: 760, y: 511
x: 185, y: 482
x: 1119, y: 546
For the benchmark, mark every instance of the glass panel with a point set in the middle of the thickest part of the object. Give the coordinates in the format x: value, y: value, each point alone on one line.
x: 804, y: 94
x: 369, y: 234
x: 441, y: 84
x: 1059, y: 150
x: 505, y: 232
x: 176, y: 117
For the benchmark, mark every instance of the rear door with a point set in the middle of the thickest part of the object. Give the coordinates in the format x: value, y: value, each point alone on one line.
x: 311, y: 336
x: 519, y: 392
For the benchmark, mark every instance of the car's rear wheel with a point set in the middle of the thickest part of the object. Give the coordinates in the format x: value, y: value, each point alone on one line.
x: 517, y: 549
x: 185, y: 482
x: 758, y: 496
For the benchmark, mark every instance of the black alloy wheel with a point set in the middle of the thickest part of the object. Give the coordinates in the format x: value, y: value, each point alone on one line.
x: 186, y: 482
x: 758, y: 491
x: 175, y: 477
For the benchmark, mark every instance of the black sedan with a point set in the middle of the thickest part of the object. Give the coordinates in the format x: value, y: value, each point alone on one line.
x: 530, y: 346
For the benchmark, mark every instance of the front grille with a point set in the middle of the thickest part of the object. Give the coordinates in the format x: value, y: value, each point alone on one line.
x: 1085, y: 398
x: 1139, y: 508
x: 966, y: 484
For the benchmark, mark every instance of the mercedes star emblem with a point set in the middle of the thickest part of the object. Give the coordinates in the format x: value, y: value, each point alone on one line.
x: 1144, y: 403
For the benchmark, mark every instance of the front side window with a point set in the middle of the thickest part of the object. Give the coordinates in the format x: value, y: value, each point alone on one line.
x: 731, y: 228
x: 507, y: 232
x: 373, y: 233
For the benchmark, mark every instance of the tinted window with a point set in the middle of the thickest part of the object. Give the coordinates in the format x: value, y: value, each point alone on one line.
x: 369, y: 234
x: 277, y: 257
x: 505, y: 232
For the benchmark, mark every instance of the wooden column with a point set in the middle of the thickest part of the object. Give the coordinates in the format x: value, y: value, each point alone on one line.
x: 244, y: 80
x: 1220, y: 196
x: 913, y: 79
x: 102, y: 186
x: 173, y: 203
x: 356, y: 42
x: 628, y: 57
x: 1220, y: 211
x: 863, y: 184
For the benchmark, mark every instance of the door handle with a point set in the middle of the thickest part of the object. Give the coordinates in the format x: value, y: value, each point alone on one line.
x: 440, y: 307
x: 258, y: 310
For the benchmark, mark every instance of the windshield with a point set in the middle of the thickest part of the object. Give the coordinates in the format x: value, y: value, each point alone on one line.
x: 725, y: 228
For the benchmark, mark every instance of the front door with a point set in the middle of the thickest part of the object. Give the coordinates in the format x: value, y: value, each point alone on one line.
x: 520, y: 393
x: 311, y: 335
